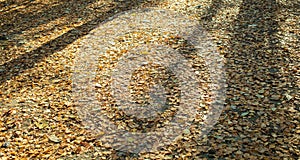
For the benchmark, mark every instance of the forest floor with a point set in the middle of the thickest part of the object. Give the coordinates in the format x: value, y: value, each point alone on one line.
x: 258, y: 40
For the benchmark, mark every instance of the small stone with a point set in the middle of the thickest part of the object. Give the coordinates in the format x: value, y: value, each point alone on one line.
x: 145, y: 21
x: 97, y: 85
x: 244, y: 114
x: 259, y: 96
x: 2, y: 38
x: 55, y: 139
x: 130, y: 140
x: 233, y: 107
x: 236, y: 98
x: 186, y: 131
x: 252, y: 25
x: 273, y: 135
x: 261, y: 91
x: 6, y: 144
x: 275, y: 97
x: 112, y: 43
x: 273, y: 70
x: 288, y: 97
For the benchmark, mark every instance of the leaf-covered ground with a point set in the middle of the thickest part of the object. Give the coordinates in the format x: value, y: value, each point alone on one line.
x: 259, y: 40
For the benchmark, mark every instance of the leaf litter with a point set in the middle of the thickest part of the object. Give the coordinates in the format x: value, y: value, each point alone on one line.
x: 258, y: 39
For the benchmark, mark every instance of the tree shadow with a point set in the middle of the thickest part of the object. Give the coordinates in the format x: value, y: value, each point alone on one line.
x: 212, y: 10
x: 26, y: 61
x: 260, y: 81
x: 16, y: 21
x: 12, y: 7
